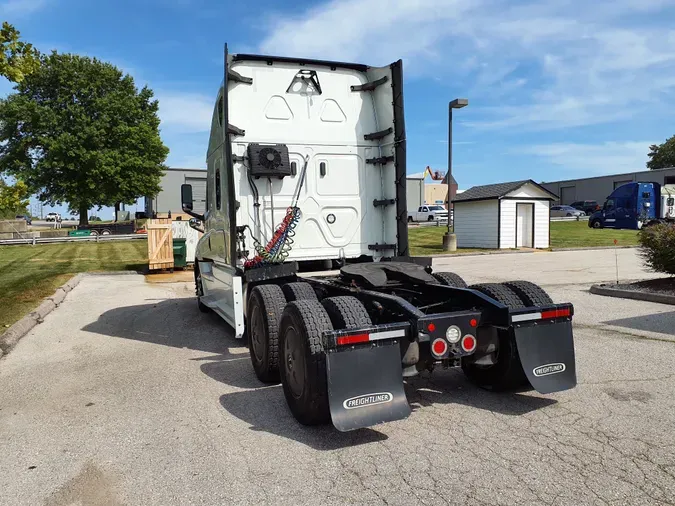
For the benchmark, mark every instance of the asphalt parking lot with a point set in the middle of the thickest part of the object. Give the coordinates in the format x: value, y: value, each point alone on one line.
x: 128, y: 395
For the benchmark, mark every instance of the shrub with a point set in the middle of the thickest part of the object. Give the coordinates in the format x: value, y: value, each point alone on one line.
x: 657, y: 247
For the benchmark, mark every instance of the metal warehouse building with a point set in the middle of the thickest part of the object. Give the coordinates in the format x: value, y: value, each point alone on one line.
x: 599, y: 188
x: 168, y: 199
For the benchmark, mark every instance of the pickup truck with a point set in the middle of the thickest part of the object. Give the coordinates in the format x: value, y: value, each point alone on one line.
x: 428, y: 213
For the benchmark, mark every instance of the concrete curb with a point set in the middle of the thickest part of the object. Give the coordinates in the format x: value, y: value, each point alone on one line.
x: 9, y: 339
x: 591, y: 248
x: 631, y: 294
x: 481, y: 253
x: 114, y: 273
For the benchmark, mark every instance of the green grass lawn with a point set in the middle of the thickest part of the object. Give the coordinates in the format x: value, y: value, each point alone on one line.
x: 426, y: 241
x: 564, y: 234
x: 576, y: 234
x: 30, y: 273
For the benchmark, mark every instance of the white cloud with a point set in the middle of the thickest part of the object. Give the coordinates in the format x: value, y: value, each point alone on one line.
x: 185, y: 112
x: 605, y: 158
x: 17, y: 8
x: 538, y: 64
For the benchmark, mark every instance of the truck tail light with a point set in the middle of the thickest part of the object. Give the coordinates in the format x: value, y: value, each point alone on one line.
x: 439, y: 347
x: 468, y: 343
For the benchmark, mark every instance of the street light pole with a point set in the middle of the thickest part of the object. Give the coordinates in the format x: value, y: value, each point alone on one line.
x: 448, y: 175
x: 450, y: 239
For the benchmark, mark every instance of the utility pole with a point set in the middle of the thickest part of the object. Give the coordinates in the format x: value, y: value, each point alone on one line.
x: 450, y: 239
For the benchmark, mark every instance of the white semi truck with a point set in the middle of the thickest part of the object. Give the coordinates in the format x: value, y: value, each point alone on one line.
x: 307, y: 161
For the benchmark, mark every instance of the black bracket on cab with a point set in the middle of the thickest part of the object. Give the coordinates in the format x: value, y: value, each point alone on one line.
x: 381, y: 247
x: 378, y: 135
x: 231, y: 129
x: 383, y: 202
x: 380, y: 161
x: 237, y: 77
x: 306, y: 77
x: 369, y: 86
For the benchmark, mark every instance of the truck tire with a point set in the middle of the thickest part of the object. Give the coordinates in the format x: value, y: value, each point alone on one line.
x: 346, y: 312
x: 450, y: 279
x: 264, y: 309
x: 507, y: 373
x: 303, y: 361
x: 431, y: 218
x: 596, y: 224
x: 530, y: 293
x: 410, y: 220
x: 299, y: 291
x: 500, y: 293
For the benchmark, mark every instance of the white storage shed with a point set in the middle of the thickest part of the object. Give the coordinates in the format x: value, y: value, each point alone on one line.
x: 503, y: 216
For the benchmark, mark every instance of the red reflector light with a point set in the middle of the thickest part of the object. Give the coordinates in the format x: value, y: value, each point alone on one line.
x: 555, y: 313
x: 431, y: 327
x: 468, y: 343
x: 473, y: 322
x: 355, y: 339
x: 439, y: 347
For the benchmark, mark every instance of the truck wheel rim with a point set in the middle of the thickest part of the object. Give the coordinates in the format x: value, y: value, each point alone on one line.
x: 294, y: 362
x: 258, y: 334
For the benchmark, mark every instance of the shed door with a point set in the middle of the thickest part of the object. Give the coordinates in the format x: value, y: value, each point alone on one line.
x: 524, y: 225
x: 198, y: 193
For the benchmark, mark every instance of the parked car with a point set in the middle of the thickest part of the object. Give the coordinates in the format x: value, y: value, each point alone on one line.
x: 587, y: 206
x: 24, y: 217
x: 568, y: 211
x: 53, y: 217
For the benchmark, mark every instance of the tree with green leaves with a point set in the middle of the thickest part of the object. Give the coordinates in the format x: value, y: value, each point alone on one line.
x: 17, y: 58
x: 13, y: 199
x: 662, y: 156
x: 78, y: 131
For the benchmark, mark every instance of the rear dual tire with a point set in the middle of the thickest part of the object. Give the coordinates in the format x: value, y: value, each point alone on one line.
x: 450, y: 279
x: 263, y: 315
x: 303, y: 367
x: 303, y: 359
x: 507, y: 372
x: 298, y: 291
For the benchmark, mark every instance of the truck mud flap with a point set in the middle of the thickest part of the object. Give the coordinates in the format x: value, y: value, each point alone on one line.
x: 365, y: 380
x: 546, y: 351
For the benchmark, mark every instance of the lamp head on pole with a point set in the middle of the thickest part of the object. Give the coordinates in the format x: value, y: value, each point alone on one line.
x: 458, y: 103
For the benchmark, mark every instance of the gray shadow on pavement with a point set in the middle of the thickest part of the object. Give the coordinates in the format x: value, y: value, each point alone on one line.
x: 663, y: 323
x: 452, y: 387
x: 170, y: 322
x: 232, y: 370
x: 265, y: 410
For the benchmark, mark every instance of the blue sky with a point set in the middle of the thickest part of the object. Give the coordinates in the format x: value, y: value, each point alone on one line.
x: 557, y: 88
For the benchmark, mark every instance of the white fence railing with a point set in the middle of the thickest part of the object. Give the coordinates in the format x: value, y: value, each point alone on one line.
x: 569, y: 218
x: 86, y: 238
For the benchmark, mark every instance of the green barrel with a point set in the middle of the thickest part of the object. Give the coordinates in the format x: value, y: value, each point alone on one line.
x: 179, y: 252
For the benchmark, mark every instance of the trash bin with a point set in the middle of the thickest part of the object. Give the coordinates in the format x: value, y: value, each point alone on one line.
x: 179, y: 253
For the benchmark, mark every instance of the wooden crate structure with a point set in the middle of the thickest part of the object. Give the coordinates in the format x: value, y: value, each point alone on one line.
x: 160, y: 244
